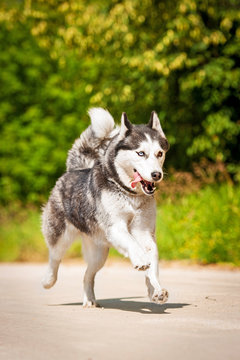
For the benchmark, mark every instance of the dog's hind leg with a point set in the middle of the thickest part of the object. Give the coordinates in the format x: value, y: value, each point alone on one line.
x: 50, y: 277
x: 57, y: 251
x: 95, y: 254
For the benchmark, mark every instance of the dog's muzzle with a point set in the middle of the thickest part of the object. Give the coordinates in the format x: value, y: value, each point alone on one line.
x: 148, y: 187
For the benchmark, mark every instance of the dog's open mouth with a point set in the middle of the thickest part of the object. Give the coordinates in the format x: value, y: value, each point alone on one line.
x: 147, y: 187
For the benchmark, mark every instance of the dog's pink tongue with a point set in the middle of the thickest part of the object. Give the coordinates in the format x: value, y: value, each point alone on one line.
x: 137, y: 178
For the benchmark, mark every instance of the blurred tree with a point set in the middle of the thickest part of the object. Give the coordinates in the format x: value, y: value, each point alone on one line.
x: 58, y: 58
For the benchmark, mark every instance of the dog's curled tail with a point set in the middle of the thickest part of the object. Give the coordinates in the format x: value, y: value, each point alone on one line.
x: 89, y: 146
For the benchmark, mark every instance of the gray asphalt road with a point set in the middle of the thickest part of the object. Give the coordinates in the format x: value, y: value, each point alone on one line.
x: 200, y: 321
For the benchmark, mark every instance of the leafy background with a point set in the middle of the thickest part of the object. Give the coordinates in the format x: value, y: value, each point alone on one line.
x: 180, y: 58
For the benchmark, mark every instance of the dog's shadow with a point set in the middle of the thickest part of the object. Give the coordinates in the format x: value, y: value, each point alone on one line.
x: 127, y: 304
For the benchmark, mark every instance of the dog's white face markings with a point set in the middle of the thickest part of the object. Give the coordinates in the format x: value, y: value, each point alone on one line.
x: 152, y: 158
x: 151, y: 161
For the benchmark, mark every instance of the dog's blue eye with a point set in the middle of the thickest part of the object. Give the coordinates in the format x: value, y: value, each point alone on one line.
x: 141, y: 153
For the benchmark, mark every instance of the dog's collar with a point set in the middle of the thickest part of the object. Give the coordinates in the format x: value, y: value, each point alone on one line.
x: 121, y: 186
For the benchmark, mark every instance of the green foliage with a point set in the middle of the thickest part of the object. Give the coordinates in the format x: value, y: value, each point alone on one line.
x: 58, y: 58
x: 203, y: 226
x: 39, y: 114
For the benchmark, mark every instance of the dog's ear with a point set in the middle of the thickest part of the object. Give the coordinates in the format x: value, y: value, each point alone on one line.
x: 154, y: 123
x: 125, y: 126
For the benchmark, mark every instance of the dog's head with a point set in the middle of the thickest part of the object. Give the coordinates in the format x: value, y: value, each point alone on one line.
x: 140, y: 154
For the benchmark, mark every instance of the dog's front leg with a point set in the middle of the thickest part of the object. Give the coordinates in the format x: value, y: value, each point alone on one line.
x: 120, y: 238
x: 147, y: 242
x: 155, y: 292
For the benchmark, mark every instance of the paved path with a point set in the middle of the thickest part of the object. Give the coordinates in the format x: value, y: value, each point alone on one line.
x: 200, y: 321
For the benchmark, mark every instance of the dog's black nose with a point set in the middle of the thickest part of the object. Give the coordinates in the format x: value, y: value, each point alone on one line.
x: 156, y: 175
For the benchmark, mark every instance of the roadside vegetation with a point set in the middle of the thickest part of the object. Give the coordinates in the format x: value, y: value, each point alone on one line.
x: 202, y: 226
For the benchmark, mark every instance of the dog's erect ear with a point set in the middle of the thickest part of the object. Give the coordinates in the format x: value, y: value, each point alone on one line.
x: 154, y: 123
x: 125, y: 126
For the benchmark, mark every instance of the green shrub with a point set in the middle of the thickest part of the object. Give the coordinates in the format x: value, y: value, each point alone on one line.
x: 203, y: 226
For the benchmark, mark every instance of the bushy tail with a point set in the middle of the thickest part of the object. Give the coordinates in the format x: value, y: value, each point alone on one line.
x: 87, y: 148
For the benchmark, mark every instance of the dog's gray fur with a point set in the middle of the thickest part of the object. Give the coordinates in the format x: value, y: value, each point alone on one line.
x: 94, y: 199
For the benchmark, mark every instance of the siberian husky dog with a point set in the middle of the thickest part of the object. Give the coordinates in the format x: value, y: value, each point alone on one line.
x: 106, y: 197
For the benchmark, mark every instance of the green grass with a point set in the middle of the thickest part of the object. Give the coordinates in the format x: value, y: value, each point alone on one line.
x: 203, y: 227
x: 20, y: 235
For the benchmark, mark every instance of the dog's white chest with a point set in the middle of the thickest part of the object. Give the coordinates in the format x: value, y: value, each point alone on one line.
x: 119, y: 206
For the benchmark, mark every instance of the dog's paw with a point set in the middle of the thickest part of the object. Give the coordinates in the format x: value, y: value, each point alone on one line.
x: 160, y: 297
x: 90, y: 304
x: 142, y: 267
x: 49, y: 280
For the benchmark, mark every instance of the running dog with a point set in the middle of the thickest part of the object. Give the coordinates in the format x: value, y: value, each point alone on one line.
x: 106, y: 197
